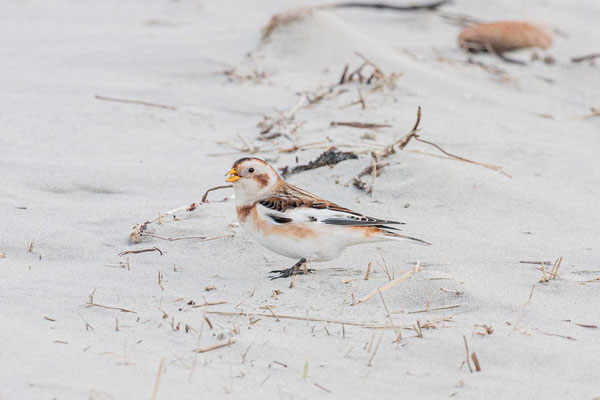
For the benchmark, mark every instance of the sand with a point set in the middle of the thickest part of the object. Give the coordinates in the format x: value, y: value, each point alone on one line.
x: 79, y: 172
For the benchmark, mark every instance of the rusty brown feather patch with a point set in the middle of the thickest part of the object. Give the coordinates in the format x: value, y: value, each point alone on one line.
x: 368, y: 231
x: 262, y: 179
x: 244, y: 211
x: 298, y: 230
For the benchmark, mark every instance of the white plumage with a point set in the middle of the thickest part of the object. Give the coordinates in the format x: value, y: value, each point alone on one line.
x: 297, y: 224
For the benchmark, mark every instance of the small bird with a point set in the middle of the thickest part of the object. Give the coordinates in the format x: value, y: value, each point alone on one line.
x: 297, y: 224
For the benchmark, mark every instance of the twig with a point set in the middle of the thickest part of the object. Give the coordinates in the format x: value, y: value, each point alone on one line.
x: 209, y: 304
x: 385, y: 6
x: 87, y: 324
x: 434, y: 309
x: 413, y: 132
x: 586, y: 57
x: 488, y: 166
x: 204, y: 197
x: 92, y: 304
x: 201, y: 238
x: 555, y: 335
x: 321, y: 387
x: 535, y: 262
x: 139, y: 102
x: 215, y: 346
x: 306, y: 318
x: 140, y: 251
x: 362, y: 125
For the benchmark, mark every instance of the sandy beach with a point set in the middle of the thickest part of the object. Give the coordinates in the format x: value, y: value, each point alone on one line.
x: 115, y: 113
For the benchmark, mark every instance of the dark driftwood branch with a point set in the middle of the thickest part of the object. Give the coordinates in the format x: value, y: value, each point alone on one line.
x: 386, y: 6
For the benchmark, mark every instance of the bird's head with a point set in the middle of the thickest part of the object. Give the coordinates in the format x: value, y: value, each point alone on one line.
x: 252, y: 178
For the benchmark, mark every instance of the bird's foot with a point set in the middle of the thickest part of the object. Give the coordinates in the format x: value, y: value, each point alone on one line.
x: 298, y: 269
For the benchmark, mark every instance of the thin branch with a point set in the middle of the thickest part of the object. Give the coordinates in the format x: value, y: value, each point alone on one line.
x: 586, y: 57
x: 205, y: 196
x: 140, y: 251
x: 386, y: 6
x: 365, y: 125
x: 139, y: 102
x: 215, y: 346
x: 434, y: 309
x: 201, y: 238
x: 488, y: 166
x: 305, y: 318
x: 92, y: 304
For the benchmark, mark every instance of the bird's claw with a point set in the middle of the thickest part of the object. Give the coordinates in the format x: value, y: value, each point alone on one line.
x: 286, y: 273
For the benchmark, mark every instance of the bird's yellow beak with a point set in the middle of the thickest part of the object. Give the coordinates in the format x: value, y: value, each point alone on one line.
x: 233, y: 176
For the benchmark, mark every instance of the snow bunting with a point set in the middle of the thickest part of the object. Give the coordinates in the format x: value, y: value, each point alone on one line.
x: 297, y: 224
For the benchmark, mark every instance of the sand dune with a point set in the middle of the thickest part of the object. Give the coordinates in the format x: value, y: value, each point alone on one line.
x: 79, y: 172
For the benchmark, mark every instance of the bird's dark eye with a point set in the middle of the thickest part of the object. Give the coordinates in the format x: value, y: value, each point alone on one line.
x: 251, y: 170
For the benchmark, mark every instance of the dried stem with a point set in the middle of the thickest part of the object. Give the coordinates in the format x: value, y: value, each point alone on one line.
x: 139, y: 102
x: 140, y: 251
x: 215, y: 346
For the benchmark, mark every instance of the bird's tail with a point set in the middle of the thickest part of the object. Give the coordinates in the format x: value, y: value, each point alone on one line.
x: 396, y: 236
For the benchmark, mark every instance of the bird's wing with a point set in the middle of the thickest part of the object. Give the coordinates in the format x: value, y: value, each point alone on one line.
x: 291, y: 204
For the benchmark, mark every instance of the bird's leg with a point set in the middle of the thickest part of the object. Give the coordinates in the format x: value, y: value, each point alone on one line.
x: 297, y: 269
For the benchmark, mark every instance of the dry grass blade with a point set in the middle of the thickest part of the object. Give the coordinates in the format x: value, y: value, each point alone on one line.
x: 138, y: 102
x: 388, y: 285
x: 201, y: 238
x: 467, y: 350
x: 215, y: 346
x: 376, y: 348
x: 368, y: 271
x: 586, y: 57
x: 140, y: 251
x: 209, y: 304
x: 398, y: 331
x: 157, y: 381
x: 516, y: 325
x: 476, y: 362
x: 307, y: 319
x: 92, y: 304
x: 555, y: 268
x: 362, y: 125
x: 434, y: 309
